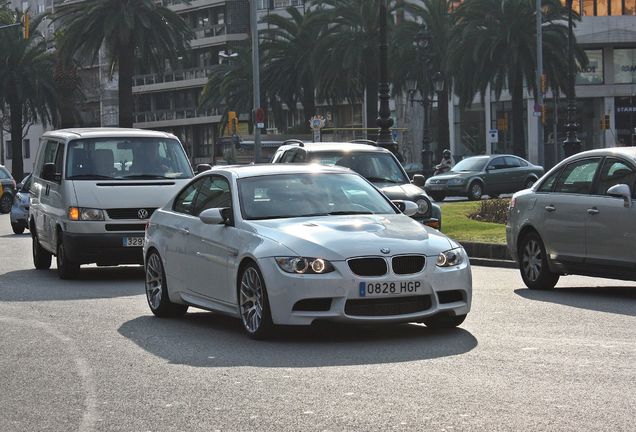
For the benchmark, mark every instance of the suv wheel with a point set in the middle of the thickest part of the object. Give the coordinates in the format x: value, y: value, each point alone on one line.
x: 533, y: 263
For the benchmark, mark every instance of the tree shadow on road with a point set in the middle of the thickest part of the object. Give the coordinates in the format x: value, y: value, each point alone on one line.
x: 92, y: 283
x: 616, y: 299
x: 205, y: 339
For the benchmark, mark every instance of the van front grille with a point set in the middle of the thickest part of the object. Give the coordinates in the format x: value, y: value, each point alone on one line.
x: 129, y: 213
x: 125, y: 227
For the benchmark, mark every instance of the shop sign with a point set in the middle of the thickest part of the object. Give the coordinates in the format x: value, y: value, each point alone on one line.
x: 625, y: 66
x: 593, y: 72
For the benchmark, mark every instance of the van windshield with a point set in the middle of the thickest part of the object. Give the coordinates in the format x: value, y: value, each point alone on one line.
x: 126, y: 159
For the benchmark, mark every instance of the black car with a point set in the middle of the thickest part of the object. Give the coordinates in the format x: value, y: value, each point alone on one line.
x: 376, y: 164
x: 7, y: 190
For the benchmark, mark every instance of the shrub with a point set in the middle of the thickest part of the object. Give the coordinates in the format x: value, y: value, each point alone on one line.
x: 492, y: 210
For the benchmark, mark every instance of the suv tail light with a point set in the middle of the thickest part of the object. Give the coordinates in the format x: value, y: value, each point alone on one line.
x: 513, y: 202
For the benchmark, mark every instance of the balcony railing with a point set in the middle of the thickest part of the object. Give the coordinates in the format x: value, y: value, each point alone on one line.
x: 172, y: 76
x: 174, y: 114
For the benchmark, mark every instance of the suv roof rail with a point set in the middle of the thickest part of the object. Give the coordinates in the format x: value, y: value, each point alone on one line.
x: 364, y: 141
x: 294, y: 141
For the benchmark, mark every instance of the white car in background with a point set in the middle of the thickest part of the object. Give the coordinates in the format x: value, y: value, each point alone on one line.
x: 291, y: 244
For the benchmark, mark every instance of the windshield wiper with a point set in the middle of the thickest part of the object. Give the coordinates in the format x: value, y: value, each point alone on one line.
x: 382, y: 179
x: 90, y: 177
x: 145, y: 176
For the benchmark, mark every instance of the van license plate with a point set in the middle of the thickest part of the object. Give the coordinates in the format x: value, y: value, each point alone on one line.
x: 133, y: 241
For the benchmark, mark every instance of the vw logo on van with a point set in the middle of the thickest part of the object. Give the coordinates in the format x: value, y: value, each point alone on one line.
x: 142, y: 214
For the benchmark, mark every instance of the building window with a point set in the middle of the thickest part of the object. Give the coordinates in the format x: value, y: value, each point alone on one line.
x: 593, y: 73
x: 26, y: 148
x: 603, y: 7
x: 625, y: 66
x: 9, y: 152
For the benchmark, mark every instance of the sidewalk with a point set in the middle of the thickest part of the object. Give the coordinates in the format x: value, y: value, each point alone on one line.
x: 489, y: 254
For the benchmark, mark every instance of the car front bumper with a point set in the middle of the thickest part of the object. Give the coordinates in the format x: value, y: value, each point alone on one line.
x: 460, y: 189
x: 302, y: 299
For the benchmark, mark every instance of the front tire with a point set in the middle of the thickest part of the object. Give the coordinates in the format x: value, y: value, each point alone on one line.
x: 253, y: 303
x: 475, y: 191
x: 443, y: 321
x: 17, y: 228
x: 157, y: 290
x: 41, y: 257
x: 439, y: 197
x: 533, y: 264
x: 6, y: 201
x: 66, y: 268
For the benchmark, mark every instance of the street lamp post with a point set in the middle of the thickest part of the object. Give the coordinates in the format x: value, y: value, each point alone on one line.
x: 384, y: 121
x: 255, y: 80
x: 571, y: 144
x: 427, y: 103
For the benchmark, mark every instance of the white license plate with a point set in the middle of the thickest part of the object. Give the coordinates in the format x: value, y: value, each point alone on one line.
x: 380, y: 289
x: 436, y: 187
x: 133, y: 241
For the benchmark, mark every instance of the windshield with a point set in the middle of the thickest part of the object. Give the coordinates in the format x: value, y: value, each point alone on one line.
x: 126, y: 159
x: 311, y: 194
x: 471, y: 164
x: 375, y: 167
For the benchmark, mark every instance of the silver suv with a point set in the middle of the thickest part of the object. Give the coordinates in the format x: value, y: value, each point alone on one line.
x: 579, y: 218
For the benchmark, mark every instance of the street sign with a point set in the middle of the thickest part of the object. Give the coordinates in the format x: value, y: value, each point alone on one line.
x: 493, y: 136
x: 317, y: 122
x: 259, y: 116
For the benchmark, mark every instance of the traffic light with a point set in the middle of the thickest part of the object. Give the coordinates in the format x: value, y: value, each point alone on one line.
x: 605, y: 122
x: 232, y: 122
x: 25, y: 25
x: 543, y: 112
x: 544, y: 79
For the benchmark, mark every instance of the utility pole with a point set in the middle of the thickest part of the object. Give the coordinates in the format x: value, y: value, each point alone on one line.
x: 255, y: 80
x: 539, y: 82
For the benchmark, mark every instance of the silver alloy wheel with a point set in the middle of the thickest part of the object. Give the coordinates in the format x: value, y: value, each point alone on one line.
x: 154, y: 281
x: 476, y: 191
x: 532, y: 260
x: 251, y: 299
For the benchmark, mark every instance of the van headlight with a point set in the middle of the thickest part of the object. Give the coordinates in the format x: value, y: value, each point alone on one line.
x: 449, y: 258
x: 303, y: 265
x: 85, y: 214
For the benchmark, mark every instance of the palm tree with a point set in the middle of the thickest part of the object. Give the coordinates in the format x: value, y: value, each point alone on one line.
x: 27, y: 88
x: 140, y: 32
x: 289, y: 67
x: 435, y: 19
x: 494, y: 43
x: 349, y: 52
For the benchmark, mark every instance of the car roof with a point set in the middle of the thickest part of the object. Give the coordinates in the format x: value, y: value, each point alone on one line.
x: 336, y: 147
x: 629, y: 152
x: 256, y: 170
x: 106, y: 132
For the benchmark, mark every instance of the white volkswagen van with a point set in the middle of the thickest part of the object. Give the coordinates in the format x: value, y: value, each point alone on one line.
x: 93, y: 191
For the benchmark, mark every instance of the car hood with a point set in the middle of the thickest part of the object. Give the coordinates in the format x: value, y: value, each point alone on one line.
x: 123, y: 194
x: 453, y: 175
x: 340, y: 237
x: 401, y: 192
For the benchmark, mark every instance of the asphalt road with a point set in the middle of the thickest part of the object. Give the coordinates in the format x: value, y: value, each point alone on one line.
x: 87, y: 355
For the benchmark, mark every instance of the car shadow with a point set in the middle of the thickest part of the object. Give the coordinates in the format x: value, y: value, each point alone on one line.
x: 92, y: 283
x: 616, y: 299
x: 206, y: 339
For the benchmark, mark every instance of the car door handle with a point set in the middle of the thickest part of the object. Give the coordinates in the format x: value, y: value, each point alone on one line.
x: 184, y: 230
x: 550, y: 208
x: 592, y: 211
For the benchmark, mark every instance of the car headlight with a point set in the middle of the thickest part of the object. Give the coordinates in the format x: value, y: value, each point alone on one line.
x: 456, y: 181
x: 449, y: 258
x: 304, y: 265
x: 85, y: 214
x: 423, y: 205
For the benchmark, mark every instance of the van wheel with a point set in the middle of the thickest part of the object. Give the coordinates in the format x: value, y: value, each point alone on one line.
x: 41, y: 257
x: 66, y: 269
x: 5, y: 203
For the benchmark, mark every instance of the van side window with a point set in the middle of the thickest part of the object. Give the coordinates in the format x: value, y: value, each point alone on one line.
x: 59, y: 159
x: 50, y: 152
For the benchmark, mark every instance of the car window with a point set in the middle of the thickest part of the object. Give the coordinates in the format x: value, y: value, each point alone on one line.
x: 59, y: 159
x: 614, y: 172
x: 497, y: 163
x: 548, y: 184
x: 4, y: 174
x: 512, y: 162
x: 288, y: 156
x: 577, y: 177
x: 184, y: 202
x: 374, y: 166
x: 471, y: 164
x: 50, y: 152
x: 212, y: 192
x: 300, y: 156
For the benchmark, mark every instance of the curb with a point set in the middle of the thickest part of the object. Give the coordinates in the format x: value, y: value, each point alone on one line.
x: 489, y: 254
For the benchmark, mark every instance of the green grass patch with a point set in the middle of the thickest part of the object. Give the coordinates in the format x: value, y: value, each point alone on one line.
x: 457, y: 225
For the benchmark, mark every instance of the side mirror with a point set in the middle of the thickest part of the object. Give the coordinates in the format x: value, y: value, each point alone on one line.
x: 409, y: 208
x: 49, y: 172
x: 621, y: 191
x: 203, y: 167
x: 212, y: 216
x: 419, y: 180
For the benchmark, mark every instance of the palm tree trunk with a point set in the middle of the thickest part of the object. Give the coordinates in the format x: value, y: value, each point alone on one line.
x: 126, y: 69
x: 17, y: 164
x: 518, y: 132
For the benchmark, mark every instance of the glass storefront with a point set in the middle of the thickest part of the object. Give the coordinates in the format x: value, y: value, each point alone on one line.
x: 625, y: 109
x: 593, y: 73
x: 625, y: 66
